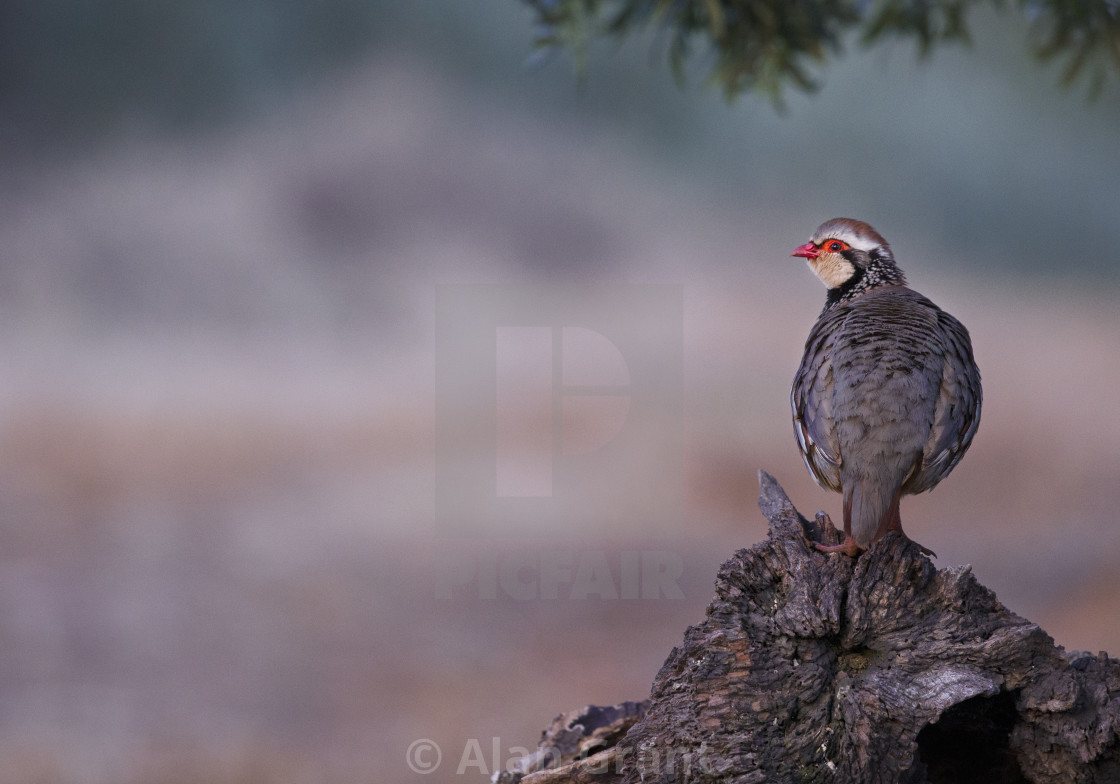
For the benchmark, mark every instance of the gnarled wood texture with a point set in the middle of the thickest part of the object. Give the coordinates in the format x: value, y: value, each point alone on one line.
x: 823, y: 668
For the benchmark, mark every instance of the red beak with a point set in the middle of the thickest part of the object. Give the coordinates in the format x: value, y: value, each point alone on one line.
x: 807, y: 251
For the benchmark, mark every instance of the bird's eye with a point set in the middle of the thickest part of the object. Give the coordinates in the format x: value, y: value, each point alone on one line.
x: 835, y: 246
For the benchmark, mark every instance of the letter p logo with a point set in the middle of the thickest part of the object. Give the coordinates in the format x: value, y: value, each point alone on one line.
x: 560, y: 391
x: 557, y: 408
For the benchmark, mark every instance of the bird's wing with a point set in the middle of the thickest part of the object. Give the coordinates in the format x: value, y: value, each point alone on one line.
x: 811, y: 400
x: 956, y: 414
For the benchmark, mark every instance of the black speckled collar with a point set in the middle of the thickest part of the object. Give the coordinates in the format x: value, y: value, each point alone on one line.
x: 873, y: 270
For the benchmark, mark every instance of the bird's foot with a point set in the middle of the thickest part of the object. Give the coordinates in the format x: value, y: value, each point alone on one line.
x: 847, y: 547
x: 829, y: 533
x: 897, y: 527
x: 925, y: 549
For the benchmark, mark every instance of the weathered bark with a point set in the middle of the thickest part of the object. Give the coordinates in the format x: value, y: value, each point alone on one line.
x: 823, y: 668
x: 579, y: 747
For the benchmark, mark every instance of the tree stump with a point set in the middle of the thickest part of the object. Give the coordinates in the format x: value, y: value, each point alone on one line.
x: 824, y: 668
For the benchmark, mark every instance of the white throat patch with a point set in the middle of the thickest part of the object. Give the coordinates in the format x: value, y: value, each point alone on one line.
x: 833, y: 269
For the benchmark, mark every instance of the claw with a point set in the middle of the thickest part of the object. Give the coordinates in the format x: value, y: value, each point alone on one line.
x: 829, y: 531
x: 926, y: 550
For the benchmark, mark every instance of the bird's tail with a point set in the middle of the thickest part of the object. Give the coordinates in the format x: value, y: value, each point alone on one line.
x: 870, y: 510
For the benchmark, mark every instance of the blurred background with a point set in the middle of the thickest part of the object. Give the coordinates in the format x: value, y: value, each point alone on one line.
x: 222, y: 226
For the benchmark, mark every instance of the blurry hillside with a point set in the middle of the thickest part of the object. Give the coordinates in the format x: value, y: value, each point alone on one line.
x: 222, y: 232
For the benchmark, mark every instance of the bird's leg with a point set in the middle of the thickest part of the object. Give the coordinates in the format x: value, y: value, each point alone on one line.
x: 847, y: 544
x: 894, y: 523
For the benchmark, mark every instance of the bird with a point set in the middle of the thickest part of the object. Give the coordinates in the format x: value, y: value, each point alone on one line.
x: 887, y: 397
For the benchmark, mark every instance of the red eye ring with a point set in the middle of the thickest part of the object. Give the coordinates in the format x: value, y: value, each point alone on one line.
x: 836, y: 246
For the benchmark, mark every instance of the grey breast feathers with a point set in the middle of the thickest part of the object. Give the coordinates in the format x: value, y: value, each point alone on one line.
x: 889, y: 341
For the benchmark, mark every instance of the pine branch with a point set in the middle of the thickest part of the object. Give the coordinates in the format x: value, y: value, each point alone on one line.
x: 766, y: 45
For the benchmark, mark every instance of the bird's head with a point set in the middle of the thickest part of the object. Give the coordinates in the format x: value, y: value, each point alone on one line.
x: 850, y: 258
